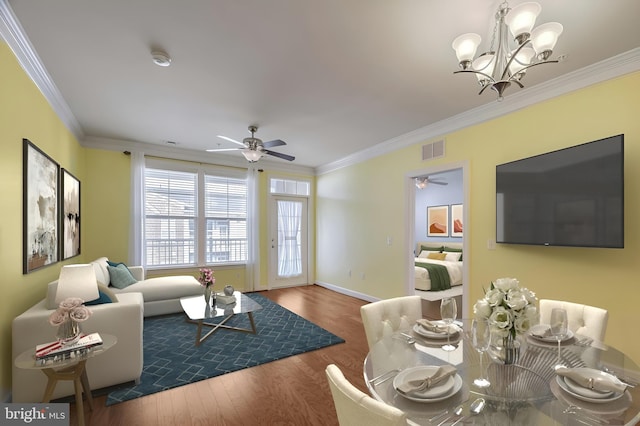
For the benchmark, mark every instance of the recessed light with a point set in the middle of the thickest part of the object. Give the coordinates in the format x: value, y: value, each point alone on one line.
x: 161, y: 58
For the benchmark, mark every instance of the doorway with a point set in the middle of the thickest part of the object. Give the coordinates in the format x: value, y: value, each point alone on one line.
x: 288, y: 264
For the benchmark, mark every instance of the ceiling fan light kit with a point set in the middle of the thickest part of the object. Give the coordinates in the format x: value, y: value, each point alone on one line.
x: 422, y: 182
x: 499, y: 68
x: 253, y: 148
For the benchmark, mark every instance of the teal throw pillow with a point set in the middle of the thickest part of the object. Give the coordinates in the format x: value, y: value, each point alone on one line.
x: 121, y: 276
x: 102, y: 298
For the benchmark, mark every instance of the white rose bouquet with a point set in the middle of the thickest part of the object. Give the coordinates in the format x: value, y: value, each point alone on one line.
x: 510, y: 309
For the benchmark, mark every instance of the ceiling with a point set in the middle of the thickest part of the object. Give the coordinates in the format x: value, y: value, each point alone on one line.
x: 330, y: 77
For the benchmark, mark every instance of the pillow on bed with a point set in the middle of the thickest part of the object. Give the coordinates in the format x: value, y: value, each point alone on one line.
x: 453, y: 250
x: 436, y: 256
x: 425, y: 253
x: 437, y: 249
x: 452, y: 257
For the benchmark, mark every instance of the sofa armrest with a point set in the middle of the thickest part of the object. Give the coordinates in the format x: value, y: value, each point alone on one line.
x: 122, y: 363
x: 137, y: 272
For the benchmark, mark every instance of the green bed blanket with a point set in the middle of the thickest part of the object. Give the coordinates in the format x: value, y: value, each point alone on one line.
x: 438, y: 275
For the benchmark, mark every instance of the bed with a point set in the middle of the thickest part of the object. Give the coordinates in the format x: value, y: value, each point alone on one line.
x: 447, y: 272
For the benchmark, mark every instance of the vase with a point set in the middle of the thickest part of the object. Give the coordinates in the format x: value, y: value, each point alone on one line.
x: 68, y: 332
x: 228, y: 290
x: 208, y: 289
x: 505, y: 350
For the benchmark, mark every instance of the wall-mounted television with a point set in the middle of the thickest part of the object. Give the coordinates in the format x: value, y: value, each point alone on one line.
x: 571, y: 197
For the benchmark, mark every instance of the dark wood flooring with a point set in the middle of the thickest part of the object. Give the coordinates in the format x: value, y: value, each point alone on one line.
x: 291, y: 391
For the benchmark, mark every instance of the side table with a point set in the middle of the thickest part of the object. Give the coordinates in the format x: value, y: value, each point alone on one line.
x: 67, y: 369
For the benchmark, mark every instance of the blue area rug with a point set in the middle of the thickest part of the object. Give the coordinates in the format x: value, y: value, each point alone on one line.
x: 171, y: 358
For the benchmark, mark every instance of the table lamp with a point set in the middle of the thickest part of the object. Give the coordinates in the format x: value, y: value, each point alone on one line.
x: 77, y: 280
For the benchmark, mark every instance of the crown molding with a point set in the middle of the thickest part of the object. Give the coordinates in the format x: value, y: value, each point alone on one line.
x: 12, y: 32
x: 174, y: 153
x: 608, y: 69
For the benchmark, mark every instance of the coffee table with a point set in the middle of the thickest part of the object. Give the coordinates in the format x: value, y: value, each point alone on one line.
x: 199, y: 311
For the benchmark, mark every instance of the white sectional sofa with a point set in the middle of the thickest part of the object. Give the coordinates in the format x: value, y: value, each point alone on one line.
x: 161, y: 295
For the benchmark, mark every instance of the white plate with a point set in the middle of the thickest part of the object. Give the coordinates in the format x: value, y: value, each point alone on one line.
x: 450, y: 387
x: 431, y: 334
x: 549, y: 339
x: 566, y: 388
x: 589, y: 393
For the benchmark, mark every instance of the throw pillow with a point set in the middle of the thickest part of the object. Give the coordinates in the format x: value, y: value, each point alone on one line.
x: 105, y: 296
x: 121, y: 276
x: 452, y: 257
x: 436, y: 256
x: 425, y: 253
x: 453, y: 250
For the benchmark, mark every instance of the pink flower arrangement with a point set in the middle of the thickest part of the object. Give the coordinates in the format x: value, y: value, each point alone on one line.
x: 206, y: 277
x: 71, y: 308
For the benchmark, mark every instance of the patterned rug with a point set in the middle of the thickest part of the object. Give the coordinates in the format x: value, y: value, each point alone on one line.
x: 171, y: 358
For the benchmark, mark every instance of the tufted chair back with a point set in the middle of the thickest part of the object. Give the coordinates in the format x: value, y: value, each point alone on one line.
x: 355, y: 407
x: 384, y: 317
x: 583, y: 319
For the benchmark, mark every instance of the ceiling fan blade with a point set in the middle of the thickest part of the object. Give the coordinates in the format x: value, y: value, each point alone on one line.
x: 279, y: 155
x: 435, y: 182
x: 230, y: 140
x: 275, y: 142
x: 223, y: 149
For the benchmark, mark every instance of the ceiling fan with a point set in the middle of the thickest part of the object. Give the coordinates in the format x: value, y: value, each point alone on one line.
x: 253, y: 148
x: 422, y: 182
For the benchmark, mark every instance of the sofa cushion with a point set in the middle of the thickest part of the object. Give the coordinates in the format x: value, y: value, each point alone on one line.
x: 120, y: 276
x: 102, y: 273
x: 165, y: 288
x: 105, y: 296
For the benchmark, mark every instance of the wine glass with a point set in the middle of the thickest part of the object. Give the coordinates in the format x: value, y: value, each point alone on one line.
x: 480, y: 338
x: 448, y: 312
x: 559, y: 328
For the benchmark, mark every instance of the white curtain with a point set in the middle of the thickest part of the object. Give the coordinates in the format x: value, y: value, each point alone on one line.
x: 136, y: 228
x: 252, y: 271
x: 289, y: 255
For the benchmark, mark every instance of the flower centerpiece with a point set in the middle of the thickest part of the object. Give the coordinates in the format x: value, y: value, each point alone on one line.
x: 207, y: 280
x: 511, y: 310
x: 70, y: 313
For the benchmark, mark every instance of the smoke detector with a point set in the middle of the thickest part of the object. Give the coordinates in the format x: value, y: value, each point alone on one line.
x: 161, y: 58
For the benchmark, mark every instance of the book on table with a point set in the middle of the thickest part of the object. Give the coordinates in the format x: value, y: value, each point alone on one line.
x: 53, y: 349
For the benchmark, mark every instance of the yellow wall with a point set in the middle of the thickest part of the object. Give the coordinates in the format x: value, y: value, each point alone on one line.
x: 358, y: 206
x: 25, y: 113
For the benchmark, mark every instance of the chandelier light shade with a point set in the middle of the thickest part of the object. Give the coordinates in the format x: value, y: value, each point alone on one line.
x: 498, y: 67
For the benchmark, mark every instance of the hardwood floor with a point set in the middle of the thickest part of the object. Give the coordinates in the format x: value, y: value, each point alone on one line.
x: 291, y: 391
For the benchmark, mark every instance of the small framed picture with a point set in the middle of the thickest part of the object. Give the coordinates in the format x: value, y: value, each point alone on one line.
x: 438, y: 221
x: 70, y: 215
x: 456, y: 220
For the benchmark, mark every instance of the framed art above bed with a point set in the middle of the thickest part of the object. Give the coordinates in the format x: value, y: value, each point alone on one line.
x: 438, y: 221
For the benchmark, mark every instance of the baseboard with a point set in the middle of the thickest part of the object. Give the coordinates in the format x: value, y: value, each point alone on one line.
x: 348, y: 292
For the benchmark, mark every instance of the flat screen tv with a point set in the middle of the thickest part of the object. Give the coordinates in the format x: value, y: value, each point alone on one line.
x: 571, y: 197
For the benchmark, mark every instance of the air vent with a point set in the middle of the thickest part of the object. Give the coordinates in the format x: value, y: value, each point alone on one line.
x: 433, y: 150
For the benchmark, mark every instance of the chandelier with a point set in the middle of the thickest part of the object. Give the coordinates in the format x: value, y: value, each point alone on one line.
x: 499, y: 68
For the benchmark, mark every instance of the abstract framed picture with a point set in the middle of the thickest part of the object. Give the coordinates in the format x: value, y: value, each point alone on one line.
x: 70, y: 215
x: 438, y: 221
x: 456, y: 220
x: 40, y: 180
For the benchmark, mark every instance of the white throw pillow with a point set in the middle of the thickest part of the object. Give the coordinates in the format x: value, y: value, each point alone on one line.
x: 452, y: 257
x: 425, y: 253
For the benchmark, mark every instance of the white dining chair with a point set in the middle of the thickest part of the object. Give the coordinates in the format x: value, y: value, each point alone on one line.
x: 355, y: 408
x: 586, y: 320
x: 384, y: 317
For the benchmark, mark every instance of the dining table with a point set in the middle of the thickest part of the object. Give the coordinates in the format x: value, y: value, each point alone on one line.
x: 528, y: 391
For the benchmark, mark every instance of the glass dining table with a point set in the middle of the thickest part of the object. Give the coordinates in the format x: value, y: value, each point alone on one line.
x: 528, y: 392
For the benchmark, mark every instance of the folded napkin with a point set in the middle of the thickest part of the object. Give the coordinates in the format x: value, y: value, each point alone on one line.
x: 431, y: 381
x: 598, y: 383
x: 435, y: 327
x: 541, y: 332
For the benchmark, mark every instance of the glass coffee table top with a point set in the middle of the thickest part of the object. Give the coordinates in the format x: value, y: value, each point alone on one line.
x: 197, y: 309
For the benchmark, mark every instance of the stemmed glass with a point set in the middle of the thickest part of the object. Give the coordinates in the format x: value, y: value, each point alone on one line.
x: 480, y: 338
x: 448, y: 312
x: 559, y: 328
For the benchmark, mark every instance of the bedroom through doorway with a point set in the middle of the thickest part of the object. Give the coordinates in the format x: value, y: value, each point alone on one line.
x: 436, y: 254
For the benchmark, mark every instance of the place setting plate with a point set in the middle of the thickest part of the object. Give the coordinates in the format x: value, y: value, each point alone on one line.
x: 418, y: 329
x: 444, y: 390
x: 589, y: 395
x: 547, y: 340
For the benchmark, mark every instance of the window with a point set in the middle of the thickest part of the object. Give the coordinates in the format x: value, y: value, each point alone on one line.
x: 289, y: 187
x: 194, y: 218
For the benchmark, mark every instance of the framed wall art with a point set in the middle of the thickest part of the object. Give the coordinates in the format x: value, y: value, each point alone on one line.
x: 438, y: 221
x: 70, y: 222
x: 456, y: 220
x: 40, y: 180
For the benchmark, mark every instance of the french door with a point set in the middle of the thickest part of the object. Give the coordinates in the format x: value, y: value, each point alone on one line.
x: 288, y: 242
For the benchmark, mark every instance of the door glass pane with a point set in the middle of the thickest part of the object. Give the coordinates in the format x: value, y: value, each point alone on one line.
x: 289, y: 238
